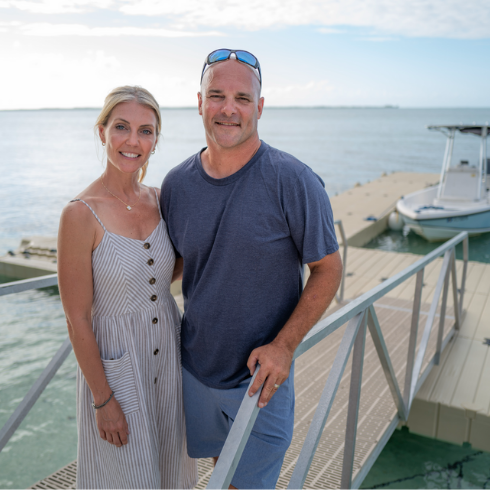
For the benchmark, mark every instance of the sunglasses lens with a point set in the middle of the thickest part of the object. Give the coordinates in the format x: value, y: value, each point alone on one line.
x: 220, y: 55
x: 245, y: 57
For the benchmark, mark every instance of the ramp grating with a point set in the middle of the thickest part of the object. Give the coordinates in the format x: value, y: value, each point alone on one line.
x: 377, y: 409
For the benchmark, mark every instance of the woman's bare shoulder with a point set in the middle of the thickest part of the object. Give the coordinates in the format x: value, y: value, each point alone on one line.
x: 151, y: 191
x: 158, y: 191
x: 77, y: 211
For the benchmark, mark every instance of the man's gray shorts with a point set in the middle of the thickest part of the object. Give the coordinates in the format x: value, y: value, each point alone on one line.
x: 209, y: 415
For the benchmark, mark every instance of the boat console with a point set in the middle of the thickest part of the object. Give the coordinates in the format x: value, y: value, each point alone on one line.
x: 461, y: 200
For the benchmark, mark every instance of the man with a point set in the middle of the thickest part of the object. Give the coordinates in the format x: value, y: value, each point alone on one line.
x: 245, y: 217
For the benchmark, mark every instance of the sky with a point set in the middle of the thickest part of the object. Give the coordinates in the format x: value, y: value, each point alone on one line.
x: 408, y: 53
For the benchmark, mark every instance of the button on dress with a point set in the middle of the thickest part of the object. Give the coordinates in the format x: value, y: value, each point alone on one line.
x: 134, y: 316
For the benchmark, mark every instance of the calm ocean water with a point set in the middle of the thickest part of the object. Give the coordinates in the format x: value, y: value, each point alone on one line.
x: 47, y: 157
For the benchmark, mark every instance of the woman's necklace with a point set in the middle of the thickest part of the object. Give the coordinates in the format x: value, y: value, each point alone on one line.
x: 128, y: 207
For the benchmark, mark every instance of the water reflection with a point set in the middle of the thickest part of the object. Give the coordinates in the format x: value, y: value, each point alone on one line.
x: 409, y: 242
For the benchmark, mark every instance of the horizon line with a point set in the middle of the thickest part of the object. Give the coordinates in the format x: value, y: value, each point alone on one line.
x: 386, y: 106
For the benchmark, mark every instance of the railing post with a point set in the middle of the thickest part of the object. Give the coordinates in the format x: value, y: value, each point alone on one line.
x: 428, y: 324
x: 465, y: 267
x: 457, y: 311
x: 442, y: 315
x: 326, y: 400
x: 340, y: 296
x: 412, y: 343
x: 353, y: 409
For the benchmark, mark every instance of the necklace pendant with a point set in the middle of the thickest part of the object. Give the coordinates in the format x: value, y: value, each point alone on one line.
x: 128, y: 208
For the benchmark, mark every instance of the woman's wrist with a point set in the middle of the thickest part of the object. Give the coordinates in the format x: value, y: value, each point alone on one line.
x: 101, y: 396
x: 96, y: 407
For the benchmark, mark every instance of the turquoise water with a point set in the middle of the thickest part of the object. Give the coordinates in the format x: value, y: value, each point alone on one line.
x: 409, y: 242
x: 412, y: 461
x: 47, y: 157
x: 32, y: 329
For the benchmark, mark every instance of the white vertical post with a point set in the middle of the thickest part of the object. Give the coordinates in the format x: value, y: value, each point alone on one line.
x: 326, y: 401
x: 466, y: 246
x: 442, y: 314
x: 428, y: 324
x: 412, y: 343
x: 447, y: 160
x: 457, y: 311
x: 353, y: 408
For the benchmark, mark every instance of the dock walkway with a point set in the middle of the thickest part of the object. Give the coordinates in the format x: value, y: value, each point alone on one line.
x: 364, y: 209
x: 461, y: 378
x: 454, y: 401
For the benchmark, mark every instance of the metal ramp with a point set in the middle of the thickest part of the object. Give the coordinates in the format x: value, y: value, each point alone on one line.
x: 345, y: 415
x: 377, y: 408
x: 64, y: 478
x: 377, y: 411
x: 352, y: 389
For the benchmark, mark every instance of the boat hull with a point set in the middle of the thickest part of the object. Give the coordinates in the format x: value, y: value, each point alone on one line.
x: 444, y: 228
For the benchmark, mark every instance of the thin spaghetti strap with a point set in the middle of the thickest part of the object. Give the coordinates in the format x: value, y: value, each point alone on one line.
x: 158, y: 203
x: 93, y: 212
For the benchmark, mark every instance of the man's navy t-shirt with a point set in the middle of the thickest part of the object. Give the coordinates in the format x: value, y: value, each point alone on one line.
x: 244, y: 240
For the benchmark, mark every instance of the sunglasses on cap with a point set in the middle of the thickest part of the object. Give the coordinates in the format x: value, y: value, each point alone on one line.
x: 225, y: 54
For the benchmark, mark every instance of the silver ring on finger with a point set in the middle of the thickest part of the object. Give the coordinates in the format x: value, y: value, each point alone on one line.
x: 276, y: 386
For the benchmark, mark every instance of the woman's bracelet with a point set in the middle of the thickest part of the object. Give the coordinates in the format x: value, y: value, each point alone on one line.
x: 103, y: 404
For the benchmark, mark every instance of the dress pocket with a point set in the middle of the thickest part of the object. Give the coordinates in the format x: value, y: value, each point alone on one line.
x: 120, y: 376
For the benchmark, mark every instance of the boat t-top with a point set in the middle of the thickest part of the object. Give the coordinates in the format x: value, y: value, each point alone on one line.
x: 461, y: 200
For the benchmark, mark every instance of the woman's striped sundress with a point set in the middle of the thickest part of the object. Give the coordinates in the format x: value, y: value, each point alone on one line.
x: 137, y: 327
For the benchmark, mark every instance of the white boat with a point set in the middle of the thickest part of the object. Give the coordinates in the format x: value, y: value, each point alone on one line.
x: 461, y: 200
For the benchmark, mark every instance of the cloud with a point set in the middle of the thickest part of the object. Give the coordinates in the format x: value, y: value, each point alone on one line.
x: 60, y: 80
x: 329, y: 30
x: 412, y: 18
x: 416, y: 18
x: 83, y: 79
x: 56, y: 6
x: 45, y: 29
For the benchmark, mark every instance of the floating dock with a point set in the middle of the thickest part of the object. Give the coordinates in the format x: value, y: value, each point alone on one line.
x: 36, y: 256
x: 365, y: 209
x: 454, y: 401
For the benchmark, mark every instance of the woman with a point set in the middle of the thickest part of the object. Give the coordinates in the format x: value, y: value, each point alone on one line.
x: 115, y: 266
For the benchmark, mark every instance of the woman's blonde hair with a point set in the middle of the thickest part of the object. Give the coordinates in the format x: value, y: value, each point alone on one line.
x: 128, y: 94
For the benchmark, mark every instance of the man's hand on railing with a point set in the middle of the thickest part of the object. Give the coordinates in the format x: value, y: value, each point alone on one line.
x: 112, y: 423
x: 275, y: 358
x: 275, y: 363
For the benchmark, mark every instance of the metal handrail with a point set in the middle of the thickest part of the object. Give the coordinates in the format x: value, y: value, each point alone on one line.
x: 34, y: 393
x: 26, y: 284
x: 359, y: 314
x: 51, y: 369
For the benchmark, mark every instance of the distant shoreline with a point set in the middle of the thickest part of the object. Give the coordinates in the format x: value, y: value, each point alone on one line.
x: 319, y: 107
x: 185, y: 108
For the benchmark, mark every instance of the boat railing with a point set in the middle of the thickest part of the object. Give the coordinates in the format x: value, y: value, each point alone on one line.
x: 359, y: 314
x: 47, y: 375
